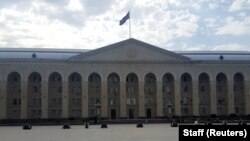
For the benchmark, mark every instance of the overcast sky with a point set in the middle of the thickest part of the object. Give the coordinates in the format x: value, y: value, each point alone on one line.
x: 90, y: 24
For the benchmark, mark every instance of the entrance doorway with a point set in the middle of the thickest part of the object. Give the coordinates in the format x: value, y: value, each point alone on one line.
x: 113, y: 114
x: 148, y: 113
x: 131, y: 113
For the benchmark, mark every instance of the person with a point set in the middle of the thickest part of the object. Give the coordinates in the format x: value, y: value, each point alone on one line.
x: 196, y: 122
x: 224, y: 122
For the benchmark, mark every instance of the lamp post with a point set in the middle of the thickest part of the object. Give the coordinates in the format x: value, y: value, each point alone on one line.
x: 98, y: 106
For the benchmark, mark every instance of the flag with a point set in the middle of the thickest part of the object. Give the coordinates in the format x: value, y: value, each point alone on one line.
x: 124, y: 19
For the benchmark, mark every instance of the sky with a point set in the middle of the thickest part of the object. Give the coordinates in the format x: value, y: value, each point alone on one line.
x: 195, y: 25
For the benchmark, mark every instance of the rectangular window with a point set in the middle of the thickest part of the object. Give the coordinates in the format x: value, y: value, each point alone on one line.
x: 185, y: 110
x: 133, y: 101
x: 40, y: 101
x: 128, y: 101
x: 59, y: 101
x: 92, y: 112
x: 165, y: 111
x: 202, y: 89
x: 14, y: 102
x: 168, y: 90
x: 236, y: 109
x: 73, y: 101
x: 59, y: 90
x: 185, y: 89
x: 34, y: 101
x: 116, y: 91
x: 35, y: 89
x: 111, y: 102
x: 79, y: 101
x: 92, y: 101
x: 219, y: 89
x: 54, y: 101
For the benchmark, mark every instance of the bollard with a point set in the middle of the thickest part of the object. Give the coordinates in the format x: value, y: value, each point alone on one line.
x: 86, y: 125
x: 174, y: 124
x: 66, y: 126
x: 139, y: 125
x: 104, y: 125
x: 27, y: 127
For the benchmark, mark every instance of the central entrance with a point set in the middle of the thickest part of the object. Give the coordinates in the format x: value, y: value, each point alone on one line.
x: 113, y: 114
x: 148, y: 113
x: 131, y: 113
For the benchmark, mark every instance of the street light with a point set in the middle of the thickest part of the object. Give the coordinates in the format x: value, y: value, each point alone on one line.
x: 98, y: 106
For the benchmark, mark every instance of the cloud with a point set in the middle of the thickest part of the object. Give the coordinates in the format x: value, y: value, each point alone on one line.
x: 97, y: 7
x: 74, y: 5
x: 238, y: 5
x: 211, y: 22
x: 195, y: 48
x: 230, y: 47
x: 92, y: 24
x: 234, y: 27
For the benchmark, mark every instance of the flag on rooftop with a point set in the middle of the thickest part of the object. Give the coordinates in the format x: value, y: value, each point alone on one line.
x: 125, y: 18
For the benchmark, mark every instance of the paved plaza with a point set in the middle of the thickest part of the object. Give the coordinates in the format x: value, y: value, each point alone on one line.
x: 114, y: 132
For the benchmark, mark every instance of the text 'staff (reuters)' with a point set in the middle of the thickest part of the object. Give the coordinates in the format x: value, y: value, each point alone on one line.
x: 214, y: 132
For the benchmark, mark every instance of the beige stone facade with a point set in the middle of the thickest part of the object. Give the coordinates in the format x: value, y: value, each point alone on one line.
x: 129, y: 79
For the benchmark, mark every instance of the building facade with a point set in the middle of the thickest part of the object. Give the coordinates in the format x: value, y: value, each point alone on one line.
x: 129, y: 79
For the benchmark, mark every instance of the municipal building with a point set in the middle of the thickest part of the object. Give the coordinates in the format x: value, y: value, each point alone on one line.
x: 126, y: 80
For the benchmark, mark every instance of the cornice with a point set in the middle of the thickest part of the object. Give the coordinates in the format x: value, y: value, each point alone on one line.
x: 71, y: 61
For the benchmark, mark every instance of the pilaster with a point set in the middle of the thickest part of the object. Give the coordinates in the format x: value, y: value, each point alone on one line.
x: 85, y: 102
x: 104, y: 113
x: 230, y: 103
x: 65, y: 100
x: 123, y: 100
x: 141, y: 100
x: 213, y: 102
x: 45, y: 100
x: 159, y: 106
x: 247, y: 97
x: 24, y: 105
x: 177, y: 104
x: 195, y: 98
x: 3, y: 99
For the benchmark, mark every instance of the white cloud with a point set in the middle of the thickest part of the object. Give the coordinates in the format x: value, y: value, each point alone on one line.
x: 238, y: 5
x: 92, y: 24
x: 74, y: 5
x: 213, y: 5
x: 196, y: 48
x: 211, y: 22
x: 242, y: 14
x: 230, y: 47
x: 234, y: 27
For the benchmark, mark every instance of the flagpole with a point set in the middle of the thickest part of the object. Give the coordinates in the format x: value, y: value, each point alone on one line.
x: 129, y: 24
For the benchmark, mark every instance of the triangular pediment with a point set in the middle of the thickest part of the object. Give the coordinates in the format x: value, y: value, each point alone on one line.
x: 130, y: 50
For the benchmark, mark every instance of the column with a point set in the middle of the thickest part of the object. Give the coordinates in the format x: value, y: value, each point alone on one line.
x: 85, y: 100
x: 141, y: 100
x: 3, y: 99
x: 45, y: 100
x: 104, y: 107
x: 247, y: 97
x: 230, y: 91
x: 65, y: 99
x: 177, y: 104
x: 123, y: 100
x: 24, y: 105
x: 159, y: 105
x: 213, y: 102
x: 195, y: 98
